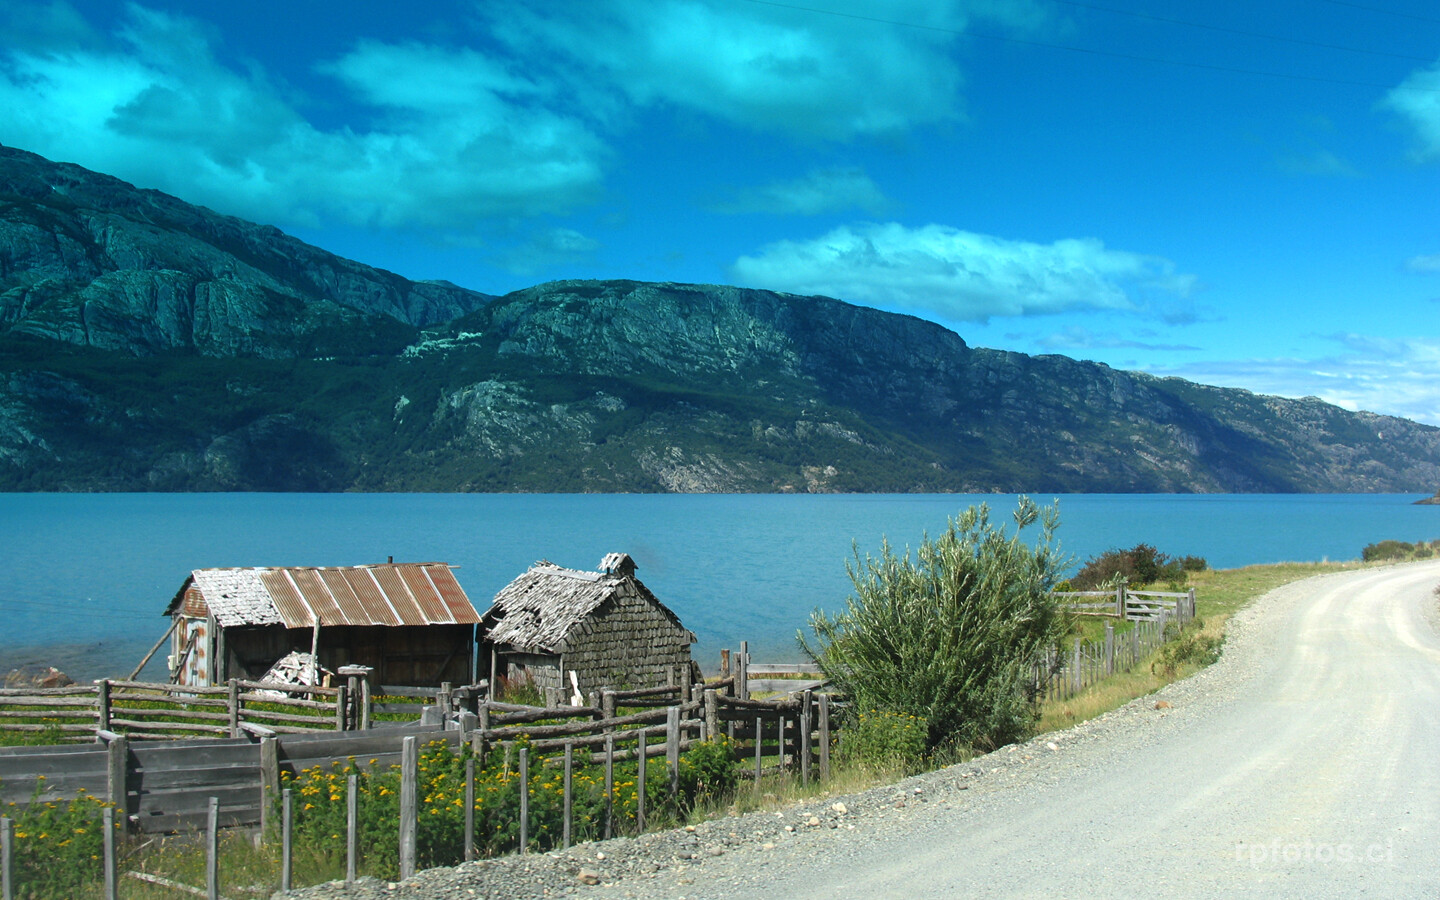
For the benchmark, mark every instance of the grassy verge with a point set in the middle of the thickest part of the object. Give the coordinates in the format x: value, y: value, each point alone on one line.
x: 1219, y: 594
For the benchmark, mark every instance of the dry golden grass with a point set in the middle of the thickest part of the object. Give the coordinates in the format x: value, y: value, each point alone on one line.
x: 1218, y: 595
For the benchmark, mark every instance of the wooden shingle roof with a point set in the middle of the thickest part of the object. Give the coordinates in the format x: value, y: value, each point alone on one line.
x: 536, y: 612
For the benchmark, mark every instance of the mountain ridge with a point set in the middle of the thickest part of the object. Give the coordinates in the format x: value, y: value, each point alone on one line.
x: 146, y: 344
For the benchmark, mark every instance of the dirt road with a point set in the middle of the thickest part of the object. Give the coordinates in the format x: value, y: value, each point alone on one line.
x: 1306, y: 763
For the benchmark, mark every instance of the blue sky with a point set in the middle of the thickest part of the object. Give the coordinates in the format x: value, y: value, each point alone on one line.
x: 1236, y: 193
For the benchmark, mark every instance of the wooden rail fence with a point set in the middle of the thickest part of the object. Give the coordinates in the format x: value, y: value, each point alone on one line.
x: 1123, y: 603
x: 1063, y: 673
x: 152, y: 711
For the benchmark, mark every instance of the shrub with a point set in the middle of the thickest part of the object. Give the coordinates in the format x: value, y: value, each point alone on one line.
x: 1187, y: 648
x: 1141, y: 564
x: 886, y: 741
x: 1398, y: 550
x: 948, y: 634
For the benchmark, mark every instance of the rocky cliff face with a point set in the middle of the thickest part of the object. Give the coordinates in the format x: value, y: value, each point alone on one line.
x: 90, y: 260
x: 146, y: 344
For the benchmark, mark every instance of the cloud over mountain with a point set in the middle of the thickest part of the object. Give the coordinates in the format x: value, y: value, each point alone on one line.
x: 960, y: 275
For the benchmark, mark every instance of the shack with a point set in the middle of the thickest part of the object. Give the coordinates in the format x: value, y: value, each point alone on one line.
x: 564, y: 628
x: 409, y: 622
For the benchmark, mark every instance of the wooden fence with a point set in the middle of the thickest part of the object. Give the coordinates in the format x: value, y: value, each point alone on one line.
x: 1063, y: 673
x: 1123, y: 603
x: 146, y: 711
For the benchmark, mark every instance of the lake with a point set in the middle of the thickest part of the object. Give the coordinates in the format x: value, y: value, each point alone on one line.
x: 91, y: 574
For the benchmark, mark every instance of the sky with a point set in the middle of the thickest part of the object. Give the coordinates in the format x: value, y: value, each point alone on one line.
x: 1236, y: 193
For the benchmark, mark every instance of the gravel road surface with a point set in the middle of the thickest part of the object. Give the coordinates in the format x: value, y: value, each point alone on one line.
x: 1305, y: 763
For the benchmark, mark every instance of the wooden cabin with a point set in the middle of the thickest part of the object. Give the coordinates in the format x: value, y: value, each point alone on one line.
x: 409, y: 622
x: 606, y: 627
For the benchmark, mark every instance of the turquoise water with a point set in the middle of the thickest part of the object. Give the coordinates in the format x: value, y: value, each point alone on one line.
x: 90, y: 574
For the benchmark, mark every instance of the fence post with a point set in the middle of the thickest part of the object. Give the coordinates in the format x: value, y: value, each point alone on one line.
x: 1075, y: 675
x: 569, y: 794
x: 640, y: 781
x: 607, y: 705
x: 269, y: 780
x: 469, y: 809
x: 1109, y: 648
x: 672, y: 747
x: 7, y: 837
x: 287, y: 835
x: 1190, y: 605
x: 806, y: 699
x: 687, y: 683
x: 409, y: 763
x: 117, y: 763
x: 232, y: 705
x: 824, y: 737
x: 759, y: 744
x: 352, y: 827
x: 1120, y: 601
x: 712, y: 714
x: 742, y: 672
x: 609, y: 786
x: 212, y: 850
x: 340, y: 707
x: 112, y: 886
x: 102, y: 704
x: 724, y: 663
x: 524, y: 800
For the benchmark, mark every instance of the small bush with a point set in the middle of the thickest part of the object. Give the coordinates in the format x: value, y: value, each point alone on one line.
x: 1140, y: 565
x: 1187, y: 648
x: 1383, y: 551
x: 882, y: 740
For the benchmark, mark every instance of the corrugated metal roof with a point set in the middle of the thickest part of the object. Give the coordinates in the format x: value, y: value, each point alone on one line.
x: 386, y: 594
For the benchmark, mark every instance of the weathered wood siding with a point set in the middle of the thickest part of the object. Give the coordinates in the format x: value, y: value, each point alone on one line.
x: 627, y: 643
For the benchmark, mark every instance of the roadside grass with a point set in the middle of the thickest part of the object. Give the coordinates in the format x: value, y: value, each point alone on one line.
x: 1219, y: 594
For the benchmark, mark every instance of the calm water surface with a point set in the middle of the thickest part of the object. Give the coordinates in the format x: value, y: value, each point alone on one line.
x: 91, y: 574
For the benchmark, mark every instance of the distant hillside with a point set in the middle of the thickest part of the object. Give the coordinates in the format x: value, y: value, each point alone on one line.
x: 90, y: 260
x: 149, y: 345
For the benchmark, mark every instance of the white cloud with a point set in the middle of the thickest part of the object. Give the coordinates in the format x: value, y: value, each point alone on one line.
x: 456, y: 137
x: 1417, y: 100
x: 1076, y: 337
x: 1430, y: 263
x: 767, y: 67
x: 960, y: 275
x: 1383, y: 375
x: 545, y: 250
x: 820, y: 191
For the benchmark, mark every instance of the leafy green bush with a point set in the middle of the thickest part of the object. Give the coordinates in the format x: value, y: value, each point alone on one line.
x: 1141, y: 564
x: 884, y: 741
x: 948, y: 634
x: 1189, y: 647
x: 1399, y: 550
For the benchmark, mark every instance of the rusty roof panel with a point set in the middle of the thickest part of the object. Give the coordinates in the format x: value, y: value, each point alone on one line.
x: 431, y: 604
x: 389, y: 594
x: 318, y: 597
x: 399, y: 596
x: 449, y: 589
x: 288, y: 601
x: 354, y: 590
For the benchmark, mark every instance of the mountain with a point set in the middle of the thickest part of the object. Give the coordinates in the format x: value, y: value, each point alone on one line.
x: 90, y: 260
x: 146, y: 344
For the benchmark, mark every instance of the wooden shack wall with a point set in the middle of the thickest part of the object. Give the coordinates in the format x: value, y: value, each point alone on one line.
x: 626, y: 643
x: 412, y: 655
